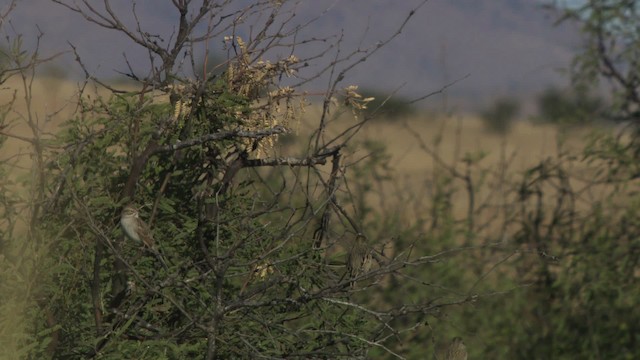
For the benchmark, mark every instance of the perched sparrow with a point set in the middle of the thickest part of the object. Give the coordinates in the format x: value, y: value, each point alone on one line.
x: 455, y: 350
x: 134, y: 228
x: 359, y: 259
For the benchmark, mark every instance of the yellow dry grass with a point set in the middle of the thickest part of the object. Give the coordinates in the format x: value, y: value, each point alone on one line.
x: 450, y: 137
x: 525, y: 145
x: 55, y: 100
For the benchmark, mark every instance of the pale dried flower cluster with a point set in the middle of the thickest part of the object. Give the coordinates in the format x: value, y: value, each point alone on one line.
x: 263, y: 270
x: 354, y: 100
x: 258, y: 80
x: 180, y: 96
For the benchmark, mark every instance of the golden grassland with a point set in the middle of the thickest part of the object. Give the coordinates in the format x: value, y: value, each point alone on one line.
x: 53, y: 101
x: 423, y: 147
x: 412, y: 144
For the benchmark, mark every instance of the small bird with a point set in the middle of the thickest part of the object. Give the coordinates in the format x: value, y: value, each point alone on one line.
x: 359, y: 259
x: 134, y: 228
x: 456, y: 350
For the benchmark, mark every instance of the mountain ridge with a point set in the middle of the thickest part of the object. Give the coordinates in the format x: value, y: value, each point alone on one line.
x: 502, y: 47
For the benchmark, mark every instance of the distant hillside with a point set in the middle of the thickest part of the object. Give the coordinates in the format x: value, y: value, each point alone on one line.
x: 505, y: 46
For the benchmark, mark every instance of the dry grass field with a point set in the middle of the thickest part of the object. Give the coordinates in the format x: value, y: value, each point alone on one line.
x: 450, y: 137
x: 53, y: 101
x: 421, y: 147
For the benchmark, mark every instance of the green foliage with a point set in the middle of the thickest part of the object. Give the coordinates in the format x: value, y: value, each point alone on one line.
x: 500, y: 115
x: 4, y: 58
x: 572, y: 283
x: 615, y: 158
x: 610, y: 53
x: 12, y: 57
x: 576, y: 108
x: 103, y: 138
x: 227, y: 260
